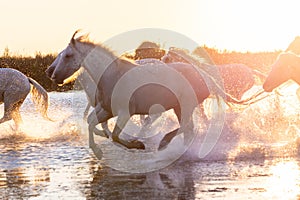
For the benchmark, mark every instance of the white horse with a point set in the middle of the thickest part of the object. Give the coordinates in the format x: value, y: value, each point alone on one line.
x: 14, y: 88
x: 286, y: 66
x: 89, y: 87
x: 109, y: 71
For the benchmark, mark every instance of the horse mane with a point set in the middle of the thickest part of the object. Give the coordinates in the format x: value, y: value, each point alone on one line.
x: 86, y: 40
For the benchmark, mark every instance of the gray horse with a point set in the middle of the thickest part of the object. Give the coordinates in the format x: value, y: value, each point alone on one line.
x: 112, y: 71
x: 14, y: 88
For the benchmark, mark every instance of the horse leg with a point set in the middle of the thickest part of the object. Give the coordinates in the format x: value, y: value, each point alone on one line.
x: 86, y: 111
x: 6, y: 117
x: 120, y: 124
x: 11, y: 111
x: 94, y: 119
x: 103, y: 125
x: 188, y: 128
x: 105, y: 128
x: 99, y: 115
x: 16, y: 114
x: 168, y: 137
x: 186, y: 125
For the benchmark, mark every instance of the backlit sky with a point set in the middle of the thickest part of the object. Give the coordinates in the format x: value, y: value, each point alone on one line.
x: 31, y: 26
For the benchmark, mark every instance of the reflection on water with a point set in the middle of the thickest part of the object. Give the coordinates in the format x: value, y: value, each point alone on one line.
x: 51, y: 160
x: 69, y: 170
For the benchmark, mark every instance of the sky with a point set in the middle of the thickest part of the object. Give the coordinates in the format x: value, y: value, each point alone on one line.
x: 32, y: 26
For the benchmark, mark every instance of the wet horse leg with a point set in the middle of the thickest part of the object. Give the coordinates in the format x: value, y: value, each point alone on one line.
x: 120, y: 124
x: 186, y: 125
x: 104, y: 125
x: 169, y: 136
x: 99, y: 115
x: 12, y: 111
x: 86, y: 111
x: 6, y: 117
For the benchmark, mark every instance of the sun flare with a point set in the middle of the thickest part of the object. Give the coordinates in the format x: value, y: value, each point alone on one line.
x: 284, y: 180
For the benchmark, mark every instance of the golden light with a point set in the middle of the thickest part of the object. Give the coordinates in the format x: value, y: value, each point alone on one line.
x: 248, y: 25
x: 284, y: 180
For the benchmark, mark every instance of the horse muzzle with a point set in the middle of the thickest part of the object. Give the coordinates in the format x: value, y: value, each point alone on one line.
x: 49, y: 71
x: 57, y: 80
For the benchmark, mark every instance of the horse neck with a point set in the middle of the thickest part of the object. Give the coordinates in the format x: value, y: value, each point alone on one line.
x: 96, y: 62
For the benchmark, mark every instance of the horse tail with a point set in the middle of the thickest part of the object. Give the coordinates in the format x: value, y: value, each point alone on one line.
x: 39, y: 97
x: 262, y: 77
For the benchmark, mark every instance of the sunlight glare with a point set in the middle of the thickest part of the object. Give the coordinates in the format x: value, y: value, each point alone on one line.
x: 249, y: 25
x: 285, y: 180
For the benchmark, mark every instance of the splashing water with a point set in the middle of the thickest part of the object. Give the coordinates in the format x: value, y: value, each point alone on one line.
x: 256, y: 155
x: 34, y: 127
x: 262, y: 130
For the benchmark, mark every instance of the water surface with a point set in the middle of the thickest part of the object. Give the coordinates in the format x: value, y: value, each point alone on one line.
x: 256, y: 157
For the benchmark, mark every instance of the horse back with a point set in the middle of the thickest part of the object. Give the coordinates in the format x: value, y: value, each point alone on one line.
x: 154, y: 92
x: 13, y: 81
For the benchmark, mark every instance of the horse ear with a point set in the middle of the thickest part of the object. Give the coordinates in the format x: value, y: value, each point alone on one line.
x: 72, y: 39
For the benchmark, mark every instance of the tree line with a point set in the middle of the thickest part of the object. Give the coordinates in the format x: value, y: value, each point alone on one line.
x: 35, y: 66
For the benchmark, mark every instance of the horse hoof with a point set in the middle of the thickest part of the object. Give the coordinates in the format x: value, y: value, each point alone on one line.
x: 100, y: 133
x: 136, y: 145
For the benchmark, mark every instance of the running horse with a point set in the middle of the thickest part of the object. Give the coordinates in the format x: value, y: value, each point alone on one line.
x: 112, y: 70
x: 89, y: 87
x: 14, y: 88
x: 286, y: 67
x: 237, y: 78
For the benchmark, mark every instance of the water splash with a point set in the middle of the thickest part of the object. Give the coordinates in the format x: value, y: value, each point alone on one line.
x: 65, y: 124
x: 266, y: 129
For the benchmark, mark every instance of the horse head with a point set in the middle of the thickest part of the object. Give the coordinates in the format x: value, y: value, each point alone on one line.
x: 281, y: 71
x: 49, y: 71
x: 69, y: 60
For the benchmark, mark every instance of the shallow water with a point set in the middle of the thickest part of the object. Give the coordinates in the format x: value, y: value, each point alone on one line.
x: 256, y: 157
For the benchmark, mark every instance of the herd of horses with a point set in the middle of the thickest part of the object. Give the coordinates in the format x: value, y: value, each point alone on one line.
x: 118, y: 86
